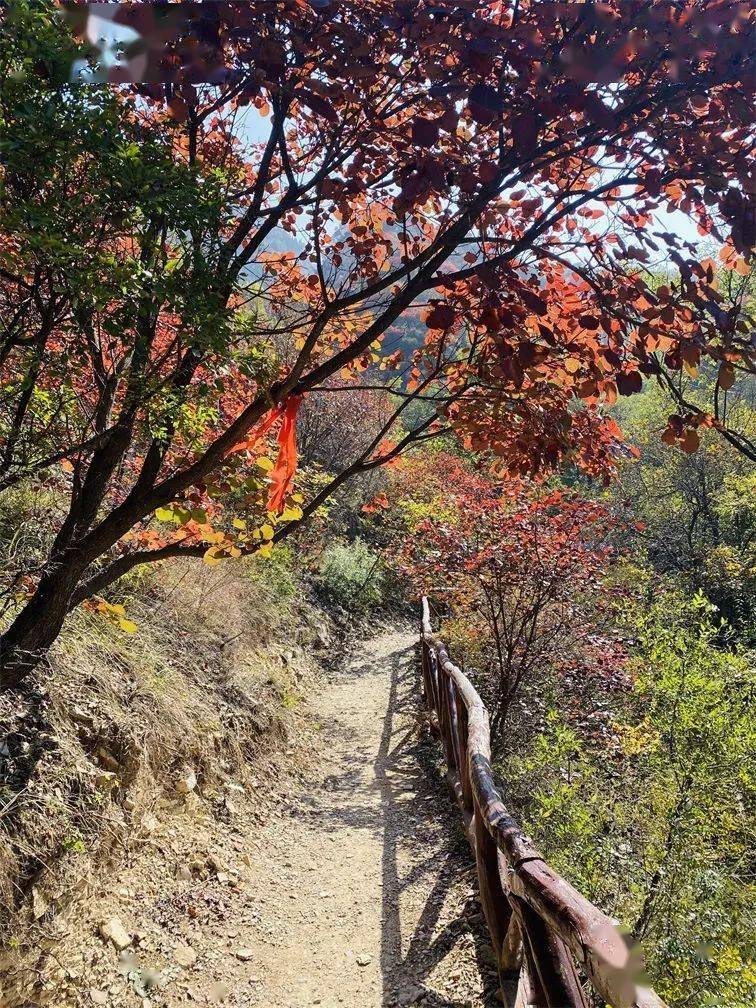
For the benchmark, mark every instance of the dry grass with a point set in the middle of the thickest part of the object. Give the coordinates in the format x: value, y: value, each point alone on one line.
x: 208, y: 683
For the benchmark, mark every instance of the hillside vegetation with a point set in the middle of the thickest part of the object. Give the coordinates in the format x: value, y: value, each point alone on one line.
x: 309, y: 310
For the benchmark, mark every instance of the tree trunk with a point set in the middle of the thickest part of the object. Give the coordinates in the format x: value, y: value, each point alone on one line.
x: 37, y: 625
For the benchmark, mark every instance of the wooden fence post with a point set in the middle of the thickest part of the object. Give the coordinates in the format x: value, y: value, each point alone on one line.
x: 550, y: 966
x: 463, y: 762
x: 496, y: 908
x: 425, y: 663
x: 539, y: 925
x: 452, y: 735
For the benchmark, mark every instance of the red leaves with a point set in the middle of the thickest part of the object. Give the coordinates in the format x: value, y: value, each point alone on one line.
x: 691, y: 442
x: 379, y: 503
x: 178, y: 109
x: 629, y: 382
x: 425, y: 132
x: 681, y: 432
x: 485, y: 104
x: 525, y: 128
x: 286, y: 462
x: 319, y: 105
x: 534, y: 302
x: 440, y: 317
x: 726, y: 377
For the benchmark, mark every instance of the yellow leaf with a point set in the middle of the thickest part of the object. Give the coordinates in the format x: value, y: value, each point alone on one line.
x: 109, y: 607
x: 210, y: 557
x: 265, y: 464
x: 238, y: 523
x: 267, y: 531
x: 691, y: 369
x: 127, y: 625
x: 165, y: 514
x: 265, y: 550
x: 292, y: 514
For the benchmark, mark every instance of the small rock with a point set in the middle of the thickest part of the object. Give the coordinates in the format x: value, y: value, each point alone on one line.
x: 113, y: 931
x: 185, y: 955
x: 186, y: 782
x: 183, y: 873
x: 245, y: 954
x: 129, y: 804
x: 149, y: 823
x: 98, y: 997
x: 39, y: 903
x: 364, y: 960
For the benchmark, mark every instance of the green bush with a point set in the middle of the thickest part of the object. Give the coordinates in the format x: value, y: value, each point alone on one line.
x: 351, y: 575
x: 653, y: 821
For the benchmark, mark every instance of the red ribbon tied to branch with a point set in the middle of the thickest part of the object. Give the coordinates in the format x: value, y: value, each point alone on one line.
x: 286, y: 463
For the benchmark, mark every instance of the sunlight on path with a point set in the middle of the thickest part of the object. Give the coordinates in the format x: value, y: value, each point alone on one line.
x: 362, y: 874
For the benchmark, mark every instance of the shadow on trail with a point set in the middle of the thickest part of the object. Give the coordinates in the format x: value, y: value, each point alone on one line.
x: 416, y: 804
x: 414, y: 812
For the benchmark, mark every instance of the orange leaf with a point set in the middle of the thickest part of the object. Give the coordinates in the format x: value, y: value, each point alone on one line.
x: 726, y: 376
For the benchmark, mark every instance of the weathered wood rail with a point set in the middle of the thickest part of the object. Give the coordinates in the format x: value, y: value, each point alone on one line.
x: 554, y: 949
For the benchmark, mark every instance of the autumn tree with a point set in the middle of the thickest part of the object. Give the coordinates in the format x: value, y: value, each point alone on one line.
x: 503, y: 168
x: 524, y: 567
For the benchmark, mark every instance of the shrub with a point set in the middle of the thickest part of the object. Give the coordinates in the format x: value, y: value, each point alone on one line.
x: 351, y: 575
x: 651, y: 819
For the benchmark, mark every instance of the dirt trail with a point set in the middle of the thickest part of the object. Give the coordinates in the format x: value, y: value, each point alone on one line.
x: 362, y: 870
x: 358, y: 892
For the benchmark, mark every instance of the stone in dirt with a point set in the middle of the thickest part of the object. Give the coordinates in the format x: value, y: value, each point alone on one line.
x: 39, y: 903
x: 187, y: 781
x: 113, y: 931
x: 364, y: 960
x: 149, y: 823
x: 245, y: 954
x: 185, y: 955
x: 98, y: 997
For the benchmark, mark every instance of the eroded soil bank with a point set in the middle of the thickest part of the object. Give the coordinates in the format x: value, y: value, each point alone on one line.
x: 349, y: 884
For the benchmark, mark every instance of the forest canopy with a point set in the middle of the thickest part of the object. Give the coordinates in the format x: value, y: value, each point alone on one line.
x: 508, y: 172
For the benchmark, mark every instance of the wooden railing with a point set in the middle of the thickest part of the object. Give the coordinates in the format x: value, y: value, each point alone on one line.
x: 554, y: 949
